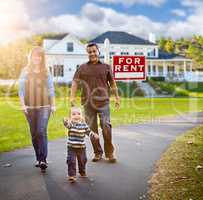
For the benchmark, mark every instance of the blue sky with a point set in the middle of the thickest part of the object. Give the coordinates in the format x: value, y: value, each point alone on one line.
x: 159, y: 13
x: 87, y: 19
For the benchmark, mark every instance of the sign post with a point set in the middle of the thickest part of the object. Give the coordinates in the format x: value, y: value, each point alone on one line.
x: 129, y: 68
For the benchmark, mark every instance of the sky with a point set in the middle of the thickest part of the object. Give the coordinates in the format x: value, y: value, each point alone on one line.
x: 88, y: 19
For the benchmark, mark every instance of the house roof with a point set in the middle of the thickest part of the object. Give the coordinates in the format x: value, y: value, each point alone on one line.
x: 120, y: 37
x: 166, y: 55
x: 59, y: 36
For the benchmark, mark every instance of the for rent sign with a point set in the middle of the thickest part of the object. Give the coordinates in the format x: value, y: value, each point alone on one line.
x: 129, y: 67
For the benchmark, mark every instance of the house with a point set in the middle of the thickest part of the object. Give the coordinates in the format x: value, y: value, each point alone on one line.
x: 159, y: 64
x: 65, y: 52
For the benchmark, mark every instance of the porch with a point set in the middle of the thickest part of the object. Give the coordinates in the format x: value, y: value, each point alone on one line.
x: 171, y: 70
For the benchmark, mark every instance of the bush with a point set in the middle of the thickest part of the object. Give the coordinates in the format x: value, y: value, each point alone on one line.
x: 129, y: 89
x: 181, y: 93
x: 155, y: 86
x: 167, y: 87
x: 158, y: 78
x: 8, y: 90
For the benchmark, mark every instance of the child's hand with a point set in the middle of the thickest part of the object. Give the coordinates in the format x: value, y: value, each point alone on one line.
x: 66, y: 122
x: 96, y: 136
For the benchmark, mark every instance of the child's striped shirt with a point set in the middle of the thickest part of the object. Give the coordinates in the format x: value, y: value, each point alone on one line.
x: 76, y: 133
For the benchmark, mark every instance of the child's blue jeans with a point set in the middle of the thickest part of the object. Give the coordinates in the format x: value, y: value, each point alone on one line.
x: 78, y: 154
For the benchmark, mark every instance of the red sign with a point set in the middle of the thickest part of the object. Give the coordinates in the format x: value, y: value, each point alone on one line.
x: 129, y: 68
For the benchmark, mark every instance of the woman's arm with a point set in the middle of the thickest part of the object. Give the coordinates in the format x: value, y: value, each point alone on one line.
x: 51, y: 92
x: 21, y: 90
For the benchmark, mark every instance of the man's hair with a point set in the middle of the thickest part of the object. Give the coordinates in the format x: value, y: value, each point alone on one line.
x: 92, y: 44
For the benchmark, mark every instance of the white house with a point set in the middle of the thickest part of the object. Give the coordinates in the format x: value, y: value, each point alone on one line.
x: 159, y: 64
x: 64, y: 53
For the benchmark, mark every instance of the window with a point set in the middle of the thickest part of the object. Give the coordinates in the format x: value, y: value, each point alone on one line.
x: 151, y: 53
x: 139, y: 53
x: 50, y: 69
x: 154, y: 68
x: 124, y: 53
x: 112, y: 53
x: 58, y: 70
x: 70, y: 47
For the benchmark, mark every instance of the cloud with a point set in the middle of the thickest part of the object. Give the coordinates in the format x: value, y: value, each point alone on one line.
x: 93, y: 12
x: 86, y: 26
x: 129, y: 3
x: 94, y: 20
x: 14, y: 20
x: 192, y: 3
x: 178, y: 12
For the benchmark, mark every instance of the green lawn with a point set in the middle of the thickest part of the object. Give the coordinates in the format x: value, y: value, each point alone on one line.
x: 177, y: 175
x: 14, y: 132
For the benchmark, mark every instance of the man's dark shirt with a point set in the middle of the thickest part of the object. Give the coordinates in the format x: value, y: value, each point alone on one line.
x: 95, y: 80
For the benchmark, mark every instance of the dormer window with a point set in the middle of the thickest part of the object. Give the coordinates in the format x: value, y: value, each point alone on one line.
x: 69, y: 47
x: 124, y: 53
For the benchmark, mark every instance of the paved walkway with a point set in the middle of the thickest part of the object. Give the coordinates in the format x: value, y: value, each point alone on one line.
x: 138, y: 148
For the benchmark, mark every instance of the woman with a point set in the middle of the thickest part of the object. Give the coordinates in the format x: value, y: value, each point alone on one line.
x: 36, y: 92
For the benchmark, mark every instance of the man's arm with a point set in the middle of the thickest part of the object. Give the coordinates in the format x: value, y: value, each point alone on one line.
x: 73, y: 91
x: 114, y: 87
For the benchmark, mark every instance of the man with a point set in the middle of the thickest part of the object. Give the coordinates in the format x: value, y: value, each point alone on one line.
x: 96, y: 79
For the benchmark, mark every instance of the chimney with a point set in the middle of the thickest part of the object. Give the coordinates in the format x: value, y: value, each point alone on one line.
x: 152, y: 37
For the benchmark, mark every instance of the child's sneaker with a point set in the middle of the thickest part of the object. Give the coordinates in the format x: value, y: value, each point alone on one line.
x: 83, y: 176
x: 71, y: 179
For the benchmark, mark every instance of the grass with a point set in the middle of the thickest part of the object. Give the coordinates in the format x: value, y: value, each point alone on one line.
x: 14, y: 131
x: 179, y: 89
x: 176, y: 176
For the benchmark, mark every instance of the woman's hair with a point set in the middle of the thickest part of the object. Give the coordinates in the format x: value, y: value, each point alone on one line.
x: 30, y: 66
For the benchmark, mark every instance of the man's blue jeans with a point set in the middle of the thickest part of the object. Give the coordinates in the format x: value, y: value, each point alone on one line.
x: 38, y: 121
x: 91, y: 114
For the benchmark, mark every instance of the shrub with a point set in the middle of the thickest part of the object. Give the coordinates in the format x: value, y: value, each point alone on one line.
x: 181, y: 93
x: 158, y: 78
x: 129, y: 89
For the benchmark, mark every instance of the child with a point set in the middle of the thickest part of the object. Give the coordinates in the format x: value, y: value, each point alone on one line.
x: 77, y: 129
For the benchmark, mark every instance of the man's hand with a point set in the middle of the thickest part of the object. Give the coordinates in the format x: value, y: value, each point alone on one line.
x: 117, y: 102
x: 72, y: 101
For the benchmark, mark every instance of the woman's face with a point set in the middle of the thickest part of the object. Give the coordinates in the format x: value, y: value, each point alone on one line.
x: 36, y: 57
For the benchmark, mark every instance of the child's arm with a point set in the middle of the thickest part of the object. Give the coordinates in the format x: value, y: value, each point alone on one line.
x: 91, y: 133
x: 67, y: 122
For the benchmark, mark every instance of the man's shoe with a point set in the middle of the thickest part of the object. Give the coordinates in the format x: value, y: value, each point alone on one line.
x: 97, y: 158
x: 72, y: 179
x: 111, y: 159
x: 83, y: 176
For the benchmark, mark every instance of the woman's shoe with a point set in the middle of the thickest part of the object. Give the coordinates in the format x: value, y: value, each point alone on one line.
x: 43, y: 166
x: 37, y: 164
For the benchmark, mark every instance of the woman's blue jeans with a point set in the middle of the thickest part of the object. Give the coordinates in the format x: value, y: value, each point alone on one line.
x: 38, y: 121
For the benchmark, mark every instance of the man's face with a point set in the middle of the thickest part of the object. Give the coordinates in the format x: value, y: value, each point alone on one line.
x: 93, y: 54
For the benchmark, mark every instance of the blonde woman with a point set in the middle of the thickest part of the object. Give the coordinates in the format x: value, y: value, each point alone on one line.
x: 36, y: 93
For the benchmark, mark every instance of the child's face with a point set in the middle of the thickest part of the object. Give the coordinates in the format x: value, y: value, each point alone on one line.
x: 76, y: 114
